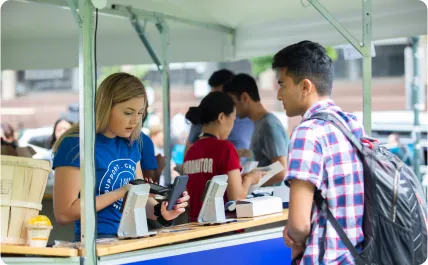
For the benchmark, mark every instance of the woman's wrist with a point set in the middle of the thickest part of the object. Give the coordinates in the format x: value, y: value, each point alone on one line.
x: 123, y: 190
x: 158, y: 213
x: 247, y: 179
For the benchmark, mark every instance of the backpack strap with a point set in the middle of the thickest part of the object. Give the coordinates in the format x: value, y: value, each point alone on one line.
x: 322, y: 206
x: 324, y: 116
x: 321, y: 203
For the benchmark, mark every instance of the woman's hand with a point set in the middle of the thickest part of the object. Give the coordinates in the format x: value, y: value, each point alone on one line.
x: 255, y: 176
x: 178, y: 209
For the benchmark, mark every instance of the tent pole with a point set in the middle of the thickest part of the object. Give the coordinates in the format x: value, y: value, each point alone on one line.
x: 73, y: 9
x: 163, y: 68
x: 364, y: 49
x: 140, y: 32
x: 416, y: 86
x: 367, y: 66
x: 120, y: 11
x: 163, y: 28
x: 87, y: 131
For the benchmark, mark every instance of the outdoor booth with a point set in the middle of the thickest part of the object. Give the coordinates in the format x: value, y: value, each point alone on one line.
x: 90, y: 33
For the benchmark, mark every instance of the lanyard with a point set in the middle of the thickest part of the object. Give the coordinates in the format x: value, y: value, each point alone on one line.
x: 206, y: 135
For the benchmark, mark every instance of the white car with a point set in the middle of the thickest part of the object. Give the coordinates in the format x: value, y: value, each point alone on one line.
x: 30, y: 137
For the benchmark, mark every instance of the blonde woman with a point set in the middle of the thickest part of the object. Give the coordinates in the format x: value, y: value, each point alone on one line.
x: 119, y: 107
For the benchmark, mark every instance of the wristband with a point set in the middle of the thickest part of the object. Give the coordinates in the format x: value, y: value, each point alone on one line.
x: 164, y: 222
x: 157, y: 212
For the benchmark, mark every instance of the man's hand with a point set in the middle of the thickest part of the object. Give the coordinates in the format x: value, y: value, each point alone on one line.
x: 296, y: 248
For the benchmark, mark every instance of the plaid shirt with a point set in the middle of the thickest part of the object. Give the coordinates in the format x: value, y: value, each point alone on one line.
x: 321, y: 154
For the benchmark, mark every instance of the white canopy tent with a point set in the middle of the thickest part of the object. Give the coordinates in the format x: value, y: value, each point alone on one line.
x: 45, y: 36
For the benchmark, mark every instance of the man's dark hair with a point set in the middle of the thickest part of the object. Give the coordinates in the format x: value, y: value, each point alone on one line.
x: 307, y: 60
x: 243, y: 83
x: 220, y: 77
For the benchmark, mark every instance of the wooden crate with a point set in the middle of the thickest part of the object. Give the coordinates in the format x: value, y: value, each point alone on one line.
x: 22, y: 185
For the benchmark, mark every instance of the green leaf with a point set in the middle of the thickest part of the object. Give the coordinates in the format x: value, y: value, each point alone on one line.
x: 261, y: 64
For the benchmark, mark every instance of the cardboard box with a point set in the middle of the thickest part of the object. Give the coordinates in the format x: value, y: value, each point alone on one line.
x: 278, y: 191
x: 258, y: 206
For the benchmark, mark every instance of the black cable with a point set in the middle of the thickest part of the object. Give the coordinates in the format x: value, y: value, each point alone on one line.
x: 94, y: 120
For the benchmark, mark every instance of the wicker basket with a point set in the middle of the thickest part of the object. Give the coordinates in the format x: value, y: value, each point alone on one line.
x: 23, y: 183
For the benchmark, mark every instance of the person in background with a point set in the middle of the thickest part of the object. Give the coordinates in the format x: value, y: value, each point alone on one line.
x: 60, y: 126
x: 269, y: 142
x: 212, y: 154
x: 156, y: 135
x: 241, y: 133
x: 399, y: 149
x: 320, y: 158
x: 178, y: 150
x: 8, y: 143
x: 8, y: 135
x: 152, y: 165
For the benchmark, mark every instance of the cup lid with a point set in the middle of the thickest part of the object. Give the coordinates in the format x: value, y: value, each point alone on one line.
x: 39, y: 221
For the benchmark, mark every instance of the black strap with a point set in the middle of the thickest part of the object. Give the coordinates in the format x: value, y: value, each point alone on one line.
x: 321, y: 202
x: 324, y: 116
x: 323, y: 244
x: 322, y: 206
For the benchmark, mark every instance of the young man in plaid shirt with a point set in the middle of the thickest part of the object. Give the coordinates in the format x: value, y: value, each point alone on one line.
x: 320, y: 158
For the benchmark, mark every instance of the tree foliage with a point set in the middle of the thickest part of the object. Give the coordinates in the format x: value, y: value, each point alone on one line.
x: 139, y: 71
x: 262, y: 63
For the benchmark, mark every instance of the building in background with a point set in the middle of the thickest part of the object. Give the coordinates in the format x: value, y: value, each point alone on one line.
x: 35, y: 98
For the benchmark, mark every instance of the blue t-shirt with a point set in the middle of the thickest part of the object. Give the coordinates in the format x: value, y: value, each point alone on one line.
x: 178, y: 153
x: 148, y: 158
x: 115, y: 165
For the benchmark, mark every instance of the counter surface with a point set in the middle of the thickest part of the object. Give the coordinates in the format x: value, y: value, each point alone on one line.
x: 25, y: 250
x: 187, y: 232
x: 164, y: 237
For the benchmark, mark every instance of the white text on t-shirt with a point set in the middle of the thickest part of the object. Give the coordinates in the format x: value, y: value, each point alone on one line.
x: 203, y: 165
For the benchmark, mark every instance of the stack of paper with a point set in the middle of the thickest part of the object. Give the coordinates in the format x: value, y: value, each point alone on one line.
x: 271, y: 171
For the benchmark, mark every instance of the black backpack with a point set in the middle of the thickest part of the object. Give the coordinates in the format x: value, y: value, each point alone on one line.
x: 395, y: 207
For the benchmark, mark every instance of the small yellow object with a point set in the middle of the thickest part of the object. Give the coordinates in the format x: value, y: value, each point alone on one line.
x: 38, y: 231
x: 39, y: 220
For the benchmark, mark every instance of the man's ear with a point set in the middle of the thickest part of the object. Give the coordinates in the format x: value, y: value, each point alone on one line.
x: 307, y: 87
x: 245, y: 97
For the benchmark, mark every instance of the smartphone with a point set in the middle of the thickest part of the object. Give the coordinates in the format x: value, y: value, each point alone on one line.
x: 177, y: 190
x: 154, y: 188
